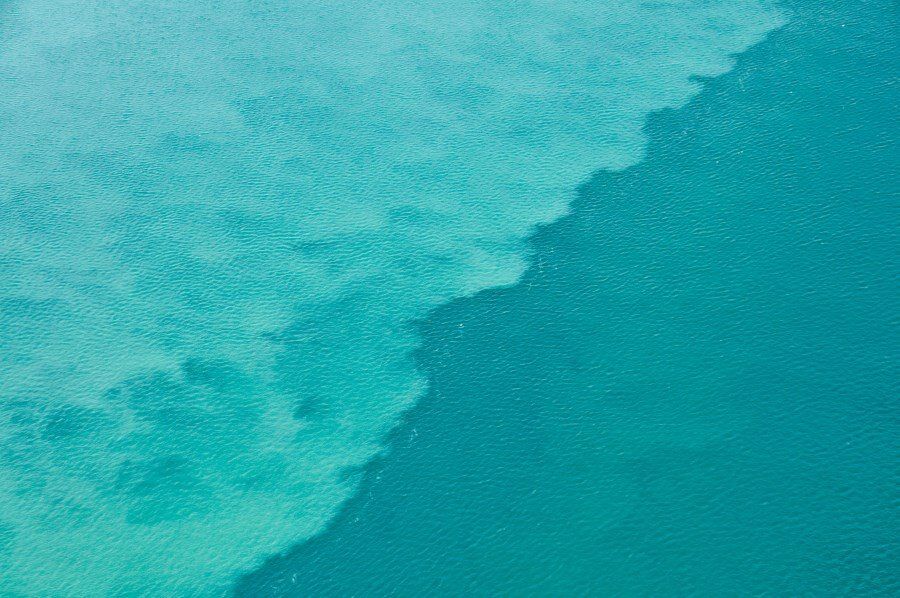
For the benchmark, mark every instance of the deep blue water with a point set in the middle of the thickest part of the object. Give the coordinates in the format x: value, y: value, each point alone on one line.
x: 693, y: 390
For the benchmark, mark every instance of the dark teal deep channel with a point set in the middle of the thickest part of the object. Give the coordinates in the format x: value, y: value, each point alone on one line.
x: 694, y: 390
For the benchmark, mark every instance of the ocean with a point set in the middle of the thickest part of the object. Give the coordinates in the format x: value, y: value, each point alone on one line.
x: 247, y: 255
x: 693, y: 390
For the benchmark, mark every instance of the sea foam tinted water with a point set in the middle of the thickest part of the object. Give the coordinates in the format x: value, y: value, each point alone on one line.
x: 219, y: 219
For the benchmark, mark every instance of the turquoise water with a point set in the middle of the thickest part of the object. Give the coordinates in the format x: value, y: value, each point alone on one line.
x: 694, y: 389
x: 221, y: 218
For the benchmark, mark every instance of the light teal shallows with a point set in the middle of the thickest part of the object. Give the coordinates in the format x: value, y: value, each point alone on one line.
x: 220, y: 217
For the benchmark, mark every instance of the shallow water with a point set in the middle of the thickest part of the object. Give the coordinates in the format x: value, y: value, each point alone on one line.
x: 694, y: 389
x: 219, y: 219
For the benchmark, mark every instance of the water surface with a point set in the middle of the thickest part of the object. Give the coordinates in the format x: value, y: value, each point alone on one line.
x: 220, y: 217
x: 693, y: 391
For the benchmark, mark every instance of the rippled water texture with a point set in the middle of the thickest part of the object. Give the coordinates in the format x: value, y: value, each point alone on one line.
x: 693, y: 390
x: 218, y: 219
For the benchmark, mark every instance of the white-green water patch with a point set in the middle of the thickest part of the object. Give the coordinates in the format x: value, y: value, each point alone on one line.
x: 219, y: 219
